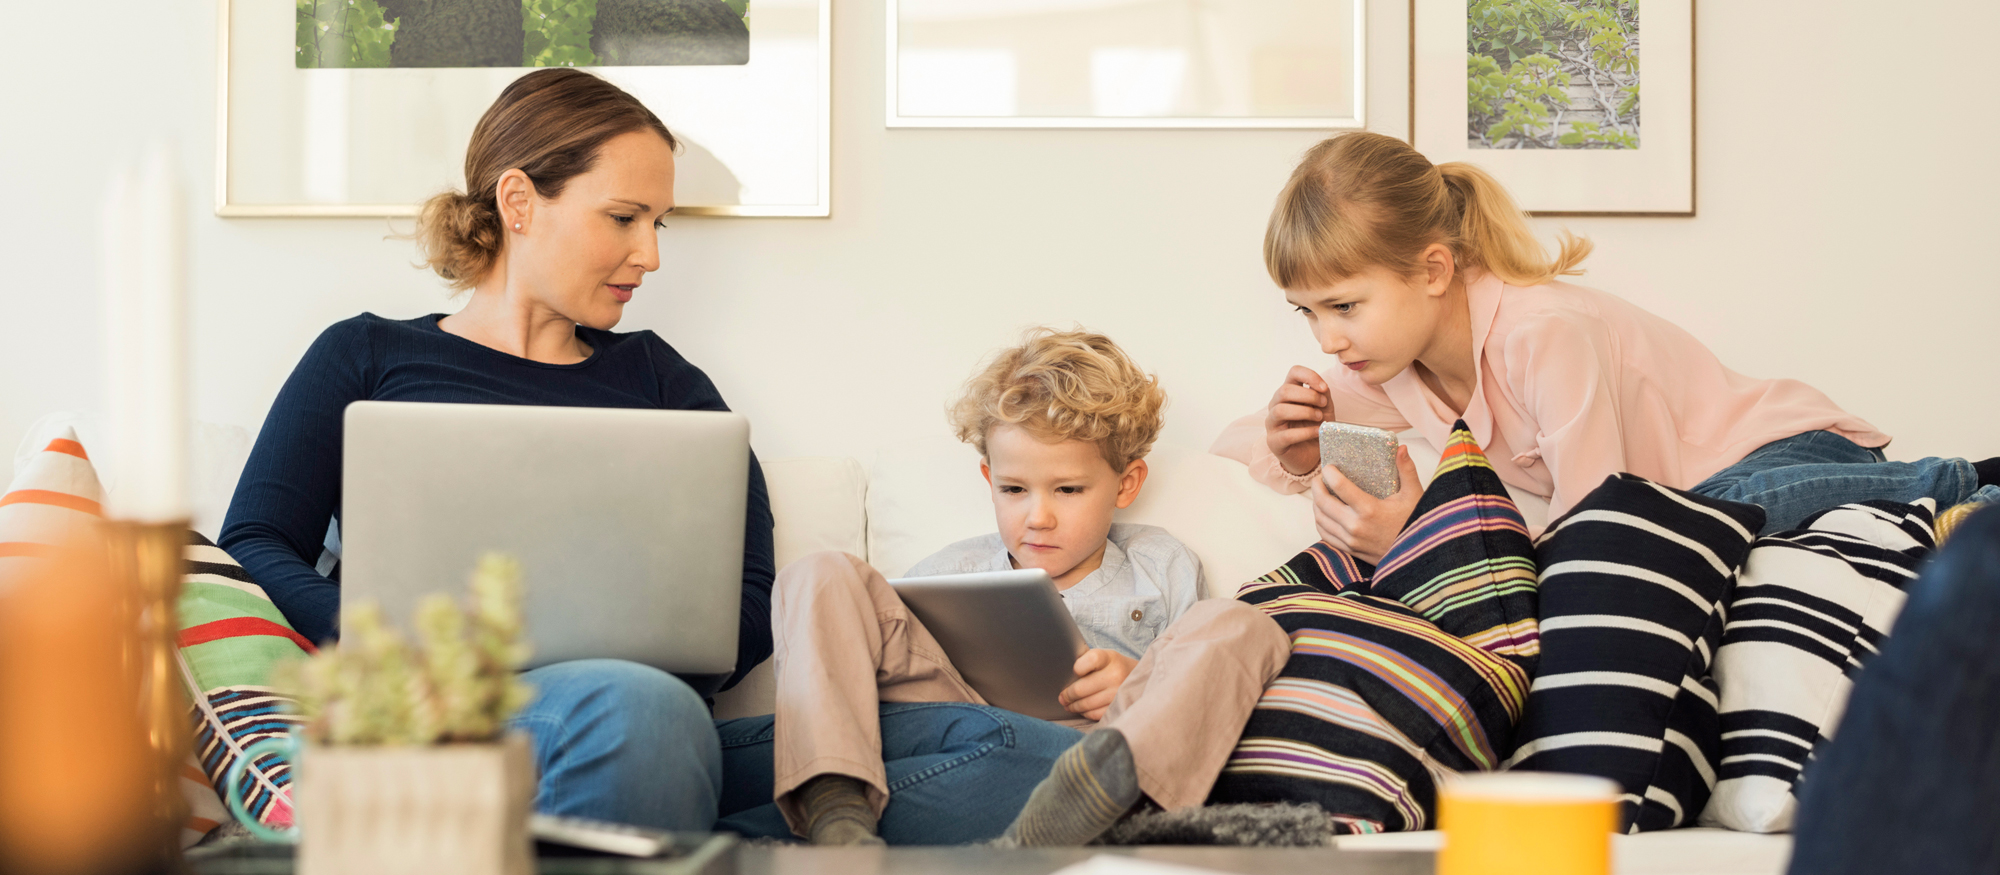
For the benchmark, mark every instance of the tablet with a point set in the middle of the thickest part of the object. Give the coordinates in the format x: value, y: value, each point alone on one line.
x: 1006, y: 632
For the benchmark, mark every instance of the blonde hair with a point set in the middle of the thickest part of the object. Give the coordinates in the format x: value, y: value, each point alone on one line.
x: 1065, y: 385
x: 1362, y: 200
x: 550, y: 124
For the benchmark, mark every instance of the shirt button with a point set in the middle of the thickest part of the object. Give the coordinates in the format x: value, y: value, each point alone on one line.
x: 1138, y: 615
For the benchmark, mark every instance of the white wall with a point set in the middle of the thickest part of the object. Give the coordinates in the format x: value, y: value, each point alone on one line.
x: 1840, y: 240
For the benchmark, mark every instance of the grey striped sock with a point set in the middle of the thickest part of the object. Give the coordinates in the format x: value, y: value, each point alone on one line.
x: 1091, y: 786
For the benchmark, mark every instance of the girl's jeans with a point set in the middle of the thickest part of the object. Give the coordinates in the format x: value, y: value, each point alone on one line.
x: 1804, y: 474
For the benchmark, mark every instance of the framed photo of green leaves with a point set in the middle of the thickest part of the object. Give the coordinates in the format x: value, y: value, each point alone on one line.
x: 1547, y: 96
x: 364, y: 107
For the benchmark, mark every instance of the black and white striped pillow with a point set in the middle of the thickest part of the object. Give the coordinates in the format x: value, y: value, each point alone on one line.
x: 1632, y: 591
x: 1811, y: 606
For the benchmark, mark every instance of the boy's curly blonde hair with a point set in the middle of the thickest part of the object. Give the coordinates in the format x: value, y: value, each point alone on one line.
x: 1065, y: 385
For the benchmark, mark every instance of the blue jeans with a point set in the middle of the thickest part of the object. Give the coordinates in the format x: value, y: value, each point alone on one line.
x: 957, y: 773
x: 623, y: 742
x: 1910, y: 783
x: 1801, y: 475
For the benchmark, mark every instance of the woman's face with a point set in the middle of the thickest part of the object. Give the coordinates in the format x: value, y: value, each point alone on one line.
x: 584, y: 253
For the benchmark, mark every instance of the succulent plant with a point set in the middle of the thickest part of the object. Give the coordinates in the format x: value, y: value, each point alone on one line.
x: 458, y: 683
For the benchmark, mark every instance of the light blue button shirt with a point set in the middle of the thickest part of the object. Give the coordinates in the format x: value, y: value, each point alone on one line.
x: 1147, y: 579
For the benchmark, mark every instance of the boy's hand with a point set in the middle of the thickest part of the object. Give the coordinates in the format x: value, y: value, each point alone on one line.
x: 1291, y: 424
x: 1098, y: 676
x: 1363, y: 525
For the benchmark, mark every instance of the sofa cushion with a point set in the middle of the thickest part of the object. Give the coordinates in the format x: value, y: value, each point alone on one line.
x: 1812, y: 606
x: 923, y: 493
x: 1400, y: 674
x: 1634, y: 580
x: 818, y: 503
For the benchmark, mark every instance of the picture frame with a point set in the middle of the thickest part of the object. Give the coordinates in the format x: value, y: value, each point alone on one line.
x: 1161, y: 64
x: 375, y: 142
x: 1550, y: 103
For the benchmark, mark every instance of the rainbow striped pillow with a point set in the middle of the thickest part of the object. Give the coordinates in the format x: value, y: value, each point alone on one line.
x: 231, y: 636
x: 1403, y: 673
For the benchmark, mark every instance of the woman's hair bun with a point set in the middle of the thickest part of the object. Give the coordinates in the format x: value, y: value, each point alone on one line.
x: 459, y: 237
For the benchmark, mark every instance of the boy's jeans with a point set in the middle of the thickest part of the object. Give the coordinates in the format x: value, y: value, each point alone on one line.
x: 957, y: 773
x: 1804, y: 474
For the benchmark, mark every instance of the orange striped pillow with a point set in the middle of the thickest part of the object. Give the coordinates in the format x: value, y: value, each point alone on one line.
x: 55, y: 497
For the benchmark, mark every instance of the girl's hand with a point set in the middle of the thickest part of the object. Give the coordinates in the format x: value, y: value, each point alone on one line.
x: 1363, y: 525
x: 1291, y: 425
x: 1099, y: 673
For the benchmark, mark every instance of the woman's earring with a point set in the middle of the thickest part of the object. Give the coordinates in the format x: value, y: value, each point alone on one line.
x: 517, y: 226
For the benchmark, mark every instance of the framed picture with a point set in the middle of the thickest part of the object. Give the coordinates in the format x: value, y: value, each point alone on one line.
x: 364, y: 107
x: 1126, y: 64
x: 1546, y: 96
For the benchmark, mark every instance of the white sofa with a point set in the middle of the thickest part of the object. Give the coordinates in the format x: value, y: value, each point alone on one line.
x: 918, y: 494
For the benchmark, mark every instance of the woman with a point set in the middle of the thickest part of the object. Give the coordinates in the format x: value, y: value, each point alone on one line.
x: 567, y: 178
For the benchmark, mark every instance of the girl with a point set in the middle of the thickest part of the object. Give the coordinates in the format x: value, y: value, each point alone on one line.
x: 1428, y: 285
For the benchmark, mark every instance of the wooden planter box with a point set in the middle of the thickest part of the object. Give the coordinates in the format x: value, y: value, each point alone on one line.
x: 436, y: 810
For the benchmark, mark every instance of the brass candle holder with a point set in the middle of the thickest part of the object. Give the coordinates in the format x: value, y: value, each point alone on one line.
x: 150, y: 561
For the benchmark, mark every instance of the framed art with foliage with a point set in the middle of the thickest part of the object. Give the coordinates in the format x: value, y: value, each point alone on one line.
x: 364, y: 107
x: 1547, y: 96
x: 1126, y: 64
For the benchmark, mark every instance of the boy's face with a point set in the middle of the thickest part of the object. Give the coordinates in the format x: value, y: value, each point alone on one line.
x: 1054, y: 500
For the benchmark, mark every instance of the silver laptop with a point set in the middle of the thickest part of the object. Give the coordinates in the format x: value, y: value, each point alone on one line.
x: 628, y: 523
x: 1007, y: 633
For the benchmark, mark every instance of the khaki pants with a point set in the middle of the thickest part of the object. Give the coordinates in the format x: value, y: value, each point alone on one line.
x: 845, y: 644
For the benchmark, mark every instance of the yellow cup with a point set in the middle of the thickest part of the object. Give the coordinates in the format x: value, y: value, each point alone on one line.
x: 1527, y: 823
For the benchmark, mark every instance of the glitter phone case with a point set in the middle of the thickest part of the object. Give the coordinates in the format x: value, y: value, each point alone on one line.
x: 1365, y: 455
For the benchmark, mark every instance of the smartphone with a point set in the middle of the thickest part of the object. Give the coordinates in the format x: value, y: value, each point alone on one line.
x: 1364, y: 455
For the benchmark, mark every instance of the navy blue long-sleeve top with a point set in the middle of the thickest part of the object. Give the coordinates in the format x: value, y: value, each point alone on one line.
x: 290, y: 488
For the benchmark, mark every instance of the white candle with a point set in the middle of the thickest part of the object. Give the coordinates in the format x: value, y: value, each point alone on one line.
x: 145, y: 317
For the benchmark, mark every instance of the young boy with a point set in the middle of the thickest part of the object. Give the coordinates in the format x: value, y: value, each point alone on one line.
x: 1062, y: 424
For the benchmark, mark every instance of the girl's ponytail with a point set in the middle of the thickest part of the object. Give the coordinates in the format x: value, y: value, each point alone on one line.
x: 1496, y: 232
x: 1362, y: 200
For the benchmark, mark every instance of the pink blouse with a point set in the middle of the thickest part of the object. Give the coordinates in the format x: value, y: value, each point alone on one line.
x: 1575, y: 385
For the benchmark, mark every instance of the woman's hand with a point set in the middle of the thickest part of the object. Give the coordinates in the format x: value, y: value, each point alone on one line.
x: 1291, y: 425
x: 1363, y: 525
x: 1099, y: 673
